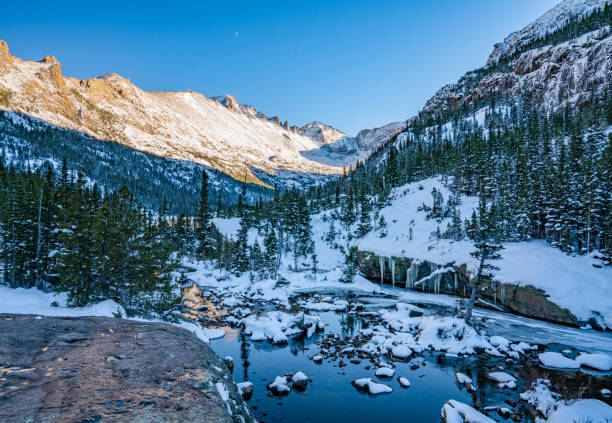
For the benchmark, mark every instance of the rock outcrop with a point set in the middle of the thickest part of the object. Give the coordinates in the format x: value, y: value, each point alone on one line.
x: 97, y: 369
x: 453, y: 279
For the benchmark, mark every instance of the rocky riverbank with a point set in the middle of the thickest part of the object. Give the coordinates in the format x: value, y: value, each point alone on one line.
x: 100, y: 369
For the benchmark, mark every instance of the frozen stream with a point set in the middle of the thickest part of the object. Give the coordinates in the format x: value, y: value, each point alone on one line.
x: 331, y: 397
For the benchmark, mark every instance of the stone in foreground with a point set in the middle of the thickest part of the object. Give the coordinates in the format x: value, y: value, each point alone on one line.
x: 110, y: 370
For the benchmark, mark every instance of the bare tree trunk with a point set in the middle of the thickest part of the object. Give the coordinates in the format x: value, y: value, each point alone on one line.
x: 38, y: 241
x: 470, y: 306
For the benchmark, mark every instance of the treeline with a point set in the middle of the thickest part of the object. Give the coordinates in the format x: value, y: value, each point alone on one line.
x: 59, y: 232
x: 542, y: 175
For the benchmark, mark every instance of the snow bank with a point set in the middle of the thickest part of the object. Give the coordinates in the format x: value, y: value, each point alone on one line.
x: 585, y: 410
x: 554, y: 410
x: 557, y: 360
x: 34, y: 301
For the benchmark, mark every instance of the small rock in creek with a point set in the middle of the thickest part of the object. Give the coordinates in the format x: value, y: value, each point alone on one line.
x: 279, y: 386
x: 229, y: 362
x: 405, y: 383
x: 245, y: 389
x: 299, y: 381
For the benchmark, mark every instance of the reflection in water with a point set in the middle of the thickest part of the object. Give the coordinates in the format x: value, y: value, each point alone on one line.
x: 244, y: 355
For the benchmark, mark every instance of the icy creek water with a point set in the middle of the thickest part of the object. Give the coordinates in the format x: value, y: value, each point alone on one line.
x: 331, y: 397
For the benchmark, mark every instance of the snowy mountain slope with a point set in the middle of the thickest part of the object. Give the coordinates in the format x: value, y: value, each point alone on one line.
x: 547, y: 23
x: 29, y: 142
x: 567, y: 73
x: 219, y: 133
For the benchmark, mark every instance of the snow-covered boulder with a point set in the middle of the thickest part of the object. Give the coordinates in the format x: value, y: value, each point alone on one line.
x: 499, y: 342
x: 229, y: 362
x: 245, y: 389
x: 401, y: 351
x: 384, y: 372
x: 279, y: 386
x: 404, y: 383
x: 277, y: 326
x: 373, y: 388
x: 503, y: 379
x: 465, y: 380
x: 299, y: 381
x: 458, y: 412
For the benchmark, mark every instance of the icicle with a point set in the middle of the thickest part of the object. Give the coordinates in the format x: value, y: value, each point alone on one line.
x: 392, y: 263
x: 381, y: 262
x: 456, y: 283
x: 412, y: 273
x: 494, y: 292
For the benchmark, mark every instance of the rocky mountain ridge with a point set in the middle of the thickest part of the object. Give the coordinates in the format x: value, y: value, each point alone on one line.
x: 217, y: 132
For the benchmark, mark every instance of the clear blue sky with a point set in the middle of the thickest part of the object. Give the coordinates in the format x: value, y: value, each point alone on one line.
x: 352, y: 64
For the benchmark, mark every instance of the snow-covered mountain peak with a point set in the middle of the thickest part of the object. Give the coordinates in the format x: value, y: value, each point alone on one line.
x: 322, y: 133
x: 218, y: 132
x: 545, y: 24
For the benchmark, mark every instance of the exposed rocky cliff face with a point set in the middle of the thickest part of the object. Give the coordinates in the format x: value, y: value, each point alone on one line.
x: 92, y: 369
x: 545, y: 24
x: 569, y: 73
x: 554, y: 76
x: 453, y: 279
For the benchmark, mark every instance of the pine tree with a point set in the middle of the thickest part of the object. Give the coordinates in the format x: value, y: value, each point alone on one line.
x: 203, y: 219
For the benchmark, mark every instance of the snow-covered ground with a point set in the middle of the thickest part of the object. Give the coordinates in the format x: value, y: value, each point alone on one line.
x: 571, y: 281
x: 34, y: 301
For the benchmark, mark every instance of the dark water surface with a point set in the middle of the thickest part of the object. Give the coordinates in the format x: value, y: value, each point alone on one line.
x: 331, y: 398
